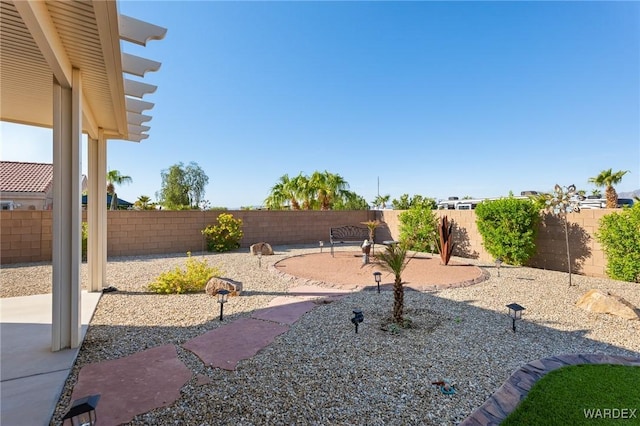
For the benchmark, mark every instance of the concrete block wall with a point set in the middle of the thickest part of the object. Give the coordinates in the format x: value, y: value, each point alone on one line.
x: 25, y: 236
x: 587, y: 257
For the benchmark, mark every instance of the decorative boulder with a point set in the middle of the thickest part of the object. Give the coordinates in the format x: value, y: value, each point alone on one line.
x: 599, y: 302
x: 263, y: 248
x: 217, y: 283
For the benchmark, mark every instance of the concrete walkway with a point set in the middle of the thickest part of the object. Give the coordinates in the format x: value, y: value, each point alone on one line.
x: 32, y: 376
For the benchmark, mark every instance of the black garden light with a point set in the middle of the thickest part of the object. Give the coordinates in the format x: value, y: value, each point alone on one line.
x: 321, y: 245
x: 222, y: 299
x: 358, y: 317
x: 515, y: 312
x: 378, y: 277
x: 498, y: 263
x: 82, y: 411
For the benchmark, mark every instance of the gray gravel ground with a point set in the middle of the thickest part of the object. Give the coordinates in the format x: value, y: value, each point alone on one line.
x: 320, y: 372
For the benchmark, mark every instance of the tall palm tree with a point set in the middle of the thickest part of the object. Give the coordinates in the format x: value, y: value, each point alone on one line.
x: 328, y: 188
x: 304, y: 190
x: 381, y: 201
x: 115, y: 177
x: 393, y: 260
x: 283, y: 194
x: 607, y: 179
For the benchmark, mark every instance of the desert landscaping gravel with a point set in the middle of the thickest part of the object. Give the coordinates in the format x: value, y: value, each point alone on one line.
x: 320, y: 372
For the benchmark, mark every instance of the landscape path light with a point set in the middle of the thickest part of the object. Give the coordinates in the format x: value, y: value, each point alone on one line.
x: 358, y: 317
x: 498, y: 264
x: 260, y: 259
x: 222, y: 299
x: 321, y: 245
x: 83, y: 411
x: 515, y: 312
x: 378, y: 277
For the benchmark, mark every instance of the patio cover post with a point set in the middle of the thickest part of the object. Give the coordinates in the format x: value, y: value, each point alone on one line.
x: 67, y: 213
x: 97, y: 212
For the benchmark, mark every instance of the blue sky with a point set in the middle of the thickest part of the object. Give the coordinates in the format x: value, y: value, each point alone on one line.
x: 431, y: 98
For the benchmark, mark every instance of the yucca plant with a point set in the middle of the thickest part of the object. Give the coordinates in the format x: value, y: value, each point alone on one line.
x: 394, y: 259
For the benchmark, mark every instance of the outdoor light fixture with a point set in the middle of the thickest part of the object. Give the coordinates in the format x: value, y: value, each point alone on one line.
x: 358, y: 317
x: 222, y: 299
x: 378, y: 277
x: 498, y: 263
x: 260, y: 259
x: 321, y: 245
x: 83, y: 411
x: 431, y: 245
x: 515, y: 312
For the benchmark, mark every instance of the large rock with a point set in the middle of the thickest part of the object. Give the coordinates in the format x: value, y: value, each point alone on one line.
x: 217, y: 283
x: 263, y: 248
x: 599, y: 302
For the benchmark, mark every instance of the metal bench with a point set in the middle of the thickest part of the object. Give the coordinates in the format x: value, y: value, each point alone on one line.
x: 348, y: 234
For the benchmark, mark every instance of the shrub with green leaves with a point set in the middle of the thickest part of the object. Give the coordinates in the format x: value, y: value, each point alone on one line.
x: 192, y: 279
x: 508, y: 227
x: 85, y: 236
x: 619, y: 235
x: 226, y: 235
x: 419, y: 228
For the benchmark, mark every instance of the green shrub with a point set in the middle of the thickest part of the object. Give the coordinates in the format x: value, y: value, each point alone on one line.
x: 224, y: 236
x: 193, y: 278
x: 419, y: 228
x: 85, y: 233
x: 619, y: 235
x: 508, y: 227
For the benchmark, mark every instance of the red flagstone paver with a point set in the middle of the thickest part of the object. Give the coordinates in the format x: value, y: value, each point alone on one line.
x: 225, y: 346
x: 133, y: 384
x: 285, y: 310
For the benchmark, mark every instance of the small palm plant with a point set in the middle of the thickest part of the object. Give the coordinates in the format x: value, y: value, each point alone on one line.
x: 372, y: 225
x: 394, y: 259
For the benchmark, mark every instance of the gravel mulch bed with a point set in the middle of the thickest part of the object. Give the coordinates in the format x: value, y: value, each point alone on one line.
x: 320, y: 372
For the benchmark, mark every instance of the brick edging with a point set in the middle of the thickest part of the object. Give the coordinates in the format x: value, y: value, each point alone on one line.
x: 515, y: 389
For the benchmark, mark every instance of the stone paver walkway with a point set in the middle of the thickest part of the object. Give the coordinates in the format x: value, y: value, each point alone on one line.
x: 152, y: 378
x: 134, y: 384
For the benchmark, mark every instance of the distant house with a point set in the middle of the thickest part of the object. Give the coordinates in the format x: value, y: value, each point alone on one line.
x: 27, y: 186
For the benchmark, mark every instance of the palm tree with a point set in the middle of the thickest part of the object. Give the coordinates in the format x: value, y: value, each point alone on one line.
x: 393, y: 260
x: 283, y: 194
x: 328, y: 187
x: 143, y: 202
x: 115, y: 177
x: 381, y: 201
x: 607, y: 179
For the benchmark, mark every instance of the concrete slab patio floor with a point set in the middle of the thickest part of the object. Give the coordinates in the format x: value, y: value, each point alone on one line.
x: 33, y: 376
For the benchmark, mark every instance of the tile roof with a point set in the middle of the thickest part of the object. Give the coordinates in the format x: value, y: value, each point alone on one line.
x: 25, y: 177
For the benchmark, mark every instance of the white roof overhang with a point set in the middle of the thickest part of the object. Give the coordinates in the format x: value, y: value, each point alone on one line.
x: 43, y: 40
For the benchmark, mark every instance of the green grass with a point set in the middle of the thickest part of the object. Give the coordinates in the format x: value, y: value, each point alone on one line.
x: 564, y: 396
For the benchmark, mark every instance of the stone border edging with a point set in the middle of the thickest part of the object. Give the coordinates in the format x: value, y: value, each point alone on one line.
x: 515, y: 389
